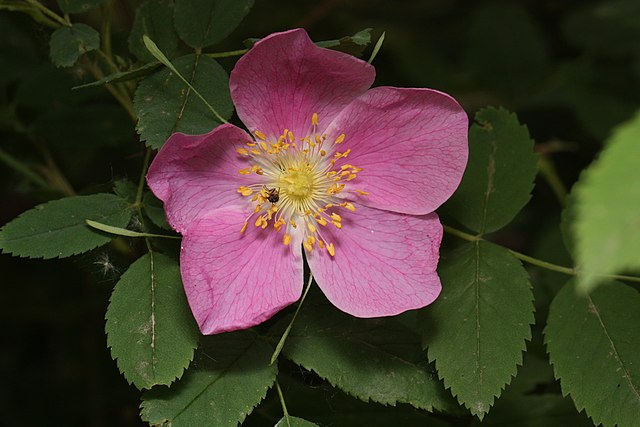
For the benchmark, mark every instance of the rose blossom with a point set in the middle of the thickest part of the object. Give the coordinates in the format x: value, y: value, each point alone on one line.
x: 351, y: 174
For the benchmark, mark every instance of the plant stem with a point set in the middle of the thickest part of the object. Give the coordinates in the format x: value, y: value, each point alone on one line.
x: 49, y: 12
x: 18, y: 166
x: 548, y: 171
x: 284, y: 406
x: 228, y: 54
x: 143, y: 173
x: 538, y: 262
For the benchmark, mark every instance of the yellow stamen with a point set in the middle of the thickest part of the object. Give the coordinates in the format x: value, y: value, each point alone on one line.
x: 242, y: 151
x: 244, y: 227
x: 312, y: 228
x: 261, y: 135
x: 245, y: 191
x: 287, y: 239
x: 363, y: 193
x: 339, y: 139
x: 331, y: 249
x: 314, y: 119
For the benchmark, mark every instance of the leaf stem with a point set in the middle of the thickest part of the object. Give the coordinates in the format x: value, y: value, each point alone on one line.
x: 228, y: 54
x: 286, y: 332
x: 49, y: 13
x: 538, y: 262
x: 283, y: 404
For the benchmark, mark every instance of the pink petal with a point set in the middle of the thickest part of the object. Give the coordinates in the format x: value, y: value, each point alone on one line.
x: 235, y: 281
x: 384, y: 264
x: 285, y: 78
x: 411, y: 143
x: 195, y: 175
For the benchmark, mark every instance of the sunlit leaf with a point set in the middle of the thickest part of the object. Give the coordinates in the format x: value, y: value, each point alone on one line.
x: 476, y: 329
x: 150, y: 328
x: 593, y: 343
x: 57, y: 229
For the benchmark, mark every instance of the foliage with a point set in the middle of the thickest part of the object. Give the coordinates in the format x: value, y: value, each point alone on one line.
x: 84, y: 105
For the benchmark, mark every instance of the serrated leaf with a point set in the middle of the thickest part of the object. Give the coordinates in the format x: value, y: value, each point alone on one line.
x: 607, y: 199
x: 230, y: 376
x: 378, y: 360
x: 165, y: 105
x: 155, y: 20
x: 150, y: 328
x: 69, y: 43
x: 353, y: 45
x: 294, y: 422
x: 201, y: 23
x: 123, y: 76
x: 593, y: 344
x: 499, y: 176
x: 78, y: 6
x: 57, y: 229
x: 476, y: 329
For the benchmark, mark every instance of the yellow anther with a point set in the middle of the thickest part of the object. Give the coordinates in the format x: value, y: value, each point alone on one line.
x: 287, y: 239
x: 244, y: 227
x: 323, y: 153
x: 264, y: 145
x: 251, y: 144
x: 318, y: 140
x: 321, y: 221
x: 245, y: 171
x: 291, y: 137
x: 312, y: 228
x: 314, y: 119
x: 340, y: 139
x: 311, y: 240
x: 258, y: 208
x: 336, y: 217
x: 331, y: 249
x: 255, y: 151
x: 245, y: 191
x: 242, y: 151
x: 351, y: 177
x: 321, y: 244
x: 293, y: 224
x: 349, y: 206
x: 261, y: 135
x: 255, y: 197
x: 307, y: 246
x: 258, y: 222
x: 337, y: 224
x: 363, y: 193
x: 278, y: 224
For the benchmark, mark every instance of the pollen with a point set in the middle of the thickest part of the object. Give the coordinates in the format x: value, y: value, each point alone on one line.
x: 298, y: 179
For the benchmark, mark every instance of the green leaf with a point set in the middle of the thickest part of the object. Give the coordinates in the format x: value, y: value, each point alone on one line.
x: 57, y: 229
x: 69, y: 43
x: 201, y: 23
x: 165, y: 105
x: 476, y: 329
x: 499, y: 176
x: 294, y: 422
x: 230, y: 376
x: 155, y: 212
x: 378, y: 360
x: 123, y: 76
x: 150, y: 328
x: 607, y: 199
x: 78, y: 6
x: 593, y: 343
x: 155, y: 20
x: 353, y: 45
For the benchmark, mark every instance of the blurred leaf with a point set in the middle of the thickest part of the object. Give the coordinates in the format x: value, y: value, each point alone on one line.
x: 499, y: 176
x: 165, y: 105
x: 506, y: 49
x: 476, y: 329
x: 150, y: 328
x: 154, y: 210
x: 294, y: 422
x: 378, y: 360
x: 57, y: 229
x: 201, y: 23
x: 154, y: 19
x: 353, y: 45
x: 567, y: 221
x: 230, y: 376
x: 69, y: 43
x: 593, y: 344
x: 607, y: 28
x: 123, y: 76
x: 607, y: 198
x: 18, y: 53
x: 78, y: 6
x: 546, y: 410
x: 45, y: 86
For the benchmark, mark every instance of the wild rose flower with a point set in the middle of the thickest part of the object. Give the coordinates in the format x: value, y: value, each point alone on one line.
x: 351, y: 174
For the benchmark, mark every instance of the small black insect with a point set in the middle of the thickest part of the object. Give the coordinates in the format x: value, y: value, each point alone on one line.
x: 273, y: 194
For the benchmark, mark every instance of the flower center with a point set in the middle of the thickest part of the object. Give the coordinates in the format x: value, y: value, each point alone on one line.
x: 297, y: 185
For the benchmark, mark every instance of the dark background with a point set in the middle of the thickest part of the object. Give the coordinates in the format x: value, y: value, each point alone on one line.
x: 570, y: 69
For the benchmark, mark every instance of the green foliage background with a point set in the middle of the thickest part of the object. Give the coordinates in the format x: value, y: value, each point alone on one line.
x: 569, y: 70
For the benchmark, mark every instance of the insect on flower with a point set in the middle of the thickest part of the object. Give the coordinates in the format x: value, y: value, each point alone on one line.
x: 348, y: 174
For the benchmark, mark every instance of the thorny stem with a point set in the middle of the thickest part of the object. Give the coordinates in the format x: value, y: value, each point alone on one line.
x: 283, y: 404
x: 535, y: 261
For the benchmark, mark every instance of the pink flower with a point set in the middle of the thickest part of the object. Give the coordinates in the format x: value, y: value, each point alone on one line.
x: 351, y: 174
